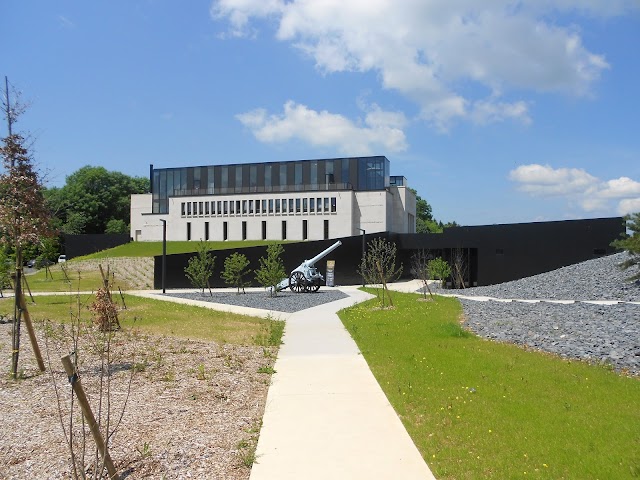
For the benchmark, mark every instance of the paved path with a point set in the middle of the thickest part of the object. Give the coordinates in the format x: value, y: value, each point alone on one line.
x: 326, y: 417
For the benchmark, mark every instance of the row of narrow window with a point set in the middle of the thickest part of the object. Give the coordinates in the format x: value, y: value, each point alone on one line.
x: 225, y: 230
x: 260, y: 207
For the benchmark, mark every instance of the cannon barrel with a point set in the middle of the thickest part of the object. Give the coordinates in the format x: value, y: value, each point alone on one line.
x: 322, y: 254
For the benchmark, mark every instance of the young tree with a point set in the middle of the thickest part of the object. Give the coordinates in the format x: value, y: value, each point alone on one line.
x: 378, y: 266
x: 271, y: 271
x: 235, y: 267
x: 24, y: 218
x: 459, y: 267
x: 200, y: 267
x: 631, y: 243
x: 439, y: 270
x: 420, y: 268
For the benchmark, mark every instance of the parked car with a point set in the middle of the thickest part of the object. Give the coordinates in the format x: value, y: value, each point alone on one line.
x: 31, y: 263
x: 62, y: 258
x: 43, y: 262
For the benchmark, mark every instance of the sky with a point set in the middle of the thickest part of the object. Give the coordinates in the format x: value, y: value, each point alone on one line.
x: 500, y: 111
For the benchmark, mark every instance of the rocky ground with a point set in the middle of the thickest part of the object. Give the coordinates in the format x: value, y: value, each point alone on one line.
x: 608, y: 334
x: 285, y: 301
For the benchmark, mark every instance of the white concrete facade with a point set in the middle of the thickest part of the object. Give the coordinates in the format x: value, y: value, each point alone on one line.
x: 276, y: 216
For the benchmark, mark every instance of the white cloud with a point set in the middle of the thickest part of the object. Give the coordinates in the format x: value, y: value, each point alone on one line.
x: 454, y: 59
x: 578, y: 187
x: 65, y: 22
x: 379, y: 129
x: 629, y: 205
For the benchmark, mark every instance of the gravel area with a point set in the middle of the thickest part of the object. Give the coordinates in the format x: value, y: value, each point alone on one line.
x: 607, y: 334
x: 194, y: 409
x: 597, y: 279
x: 286, y: 301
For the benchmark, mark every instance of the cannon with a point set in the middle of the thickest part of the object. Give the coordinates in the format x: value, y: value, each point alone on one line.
x: 305, y: 277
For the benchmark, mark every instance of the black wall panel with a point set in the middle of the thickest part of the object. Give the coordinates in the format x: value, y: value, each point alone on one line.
x: 496, y: 253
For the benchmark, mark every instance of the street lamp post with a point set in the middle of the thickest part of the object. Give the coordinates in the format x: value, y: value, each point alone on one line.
x: 164, y: 254
x: 363, y: 250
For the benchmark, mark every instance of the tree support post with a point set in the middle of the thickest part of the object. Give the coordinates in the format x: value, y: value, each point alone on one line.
x: 32, y: 333
x: 74, y: 380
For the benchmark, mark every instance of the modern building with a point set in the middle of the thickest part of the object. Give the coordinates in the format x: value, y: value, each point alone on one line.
x: 290, y: 200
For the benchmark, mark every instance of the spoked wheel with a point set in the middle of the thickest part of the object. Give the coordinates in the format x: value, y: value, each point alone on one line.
x: 314, y: 287
x: 297, y: 282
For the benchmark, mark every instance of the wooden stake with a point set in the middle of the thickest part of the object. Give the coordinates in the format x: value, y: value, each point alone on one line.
x: 32, y: 333
x: 74, y: 380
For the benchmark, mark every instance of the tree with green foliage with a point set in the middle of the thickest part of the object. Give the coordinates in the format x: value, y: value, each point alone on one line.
x: 5, y: 269
x: 631, y: 243
x: 235, y: 268
x: 117, y: 226
x: 200, y: 267
x: 271, y: 271
x: 378, y: 265
x: 94, y: 196
x: 439, y: 270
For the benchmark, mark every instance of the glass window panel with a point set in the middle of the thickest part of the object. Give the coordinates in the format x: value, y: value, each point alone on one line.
x: 304, y: 205
x: 196, y: 178
x: 312, y: 205
x: 224, y: 177
x: 226, y: 207
x: 297, y: 205
x: 210, y: 181
x: 188, y: 208
x: 238, y: 178
x: 270, y: 205
x: 333, y: 204
x: 253, y: 177
x: 283, y: 177
x: 319, y: 202
x: 267, y: 178
x: 284, y: 205
x: 264, y: 206
x: 182, y: 209
x: 250, y: 206
x: 314, y: 175
x: 326, y: 204
x: 277, y: 205
x: 291, y: 205
x: 298, y: 176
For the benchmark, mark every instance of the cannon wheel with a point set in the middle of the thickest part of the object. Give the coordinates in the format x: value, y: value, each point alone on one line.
x: 313, y: 287
x: 297, y: 282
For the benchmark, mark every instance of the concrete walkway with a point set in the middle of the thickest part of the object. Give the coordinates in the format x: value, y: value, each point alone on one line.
x: 326, y: 417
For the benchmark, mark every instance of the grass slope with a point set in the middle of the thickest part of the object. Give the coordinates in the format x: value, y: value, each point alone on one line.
x: 480, y: 409
x: 150, y: 249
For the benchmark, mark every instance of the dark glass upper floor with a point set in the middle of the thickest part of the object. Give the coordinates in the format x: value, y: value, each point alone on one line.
x: 355, y: 173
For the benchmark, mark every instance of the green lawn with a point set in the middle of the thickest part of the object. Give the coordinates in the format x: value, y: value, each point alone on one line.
x: 150, y: 249
x: 480, y: 409
x: 162, y: 318
x: 57, y: 281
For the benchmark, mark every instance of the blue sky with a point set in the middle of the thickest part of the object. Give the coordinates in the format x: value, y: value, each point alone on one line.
x: 514, y: 112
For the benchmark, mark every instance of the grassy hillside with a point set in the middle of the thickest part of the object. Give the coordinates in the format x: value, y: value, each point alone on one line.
x: 151, y: 249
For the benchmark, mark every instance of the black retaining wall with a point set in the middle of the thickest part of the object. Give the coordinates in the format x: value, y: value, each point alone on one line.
x: 495, y: 253
x: 78, y: 245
